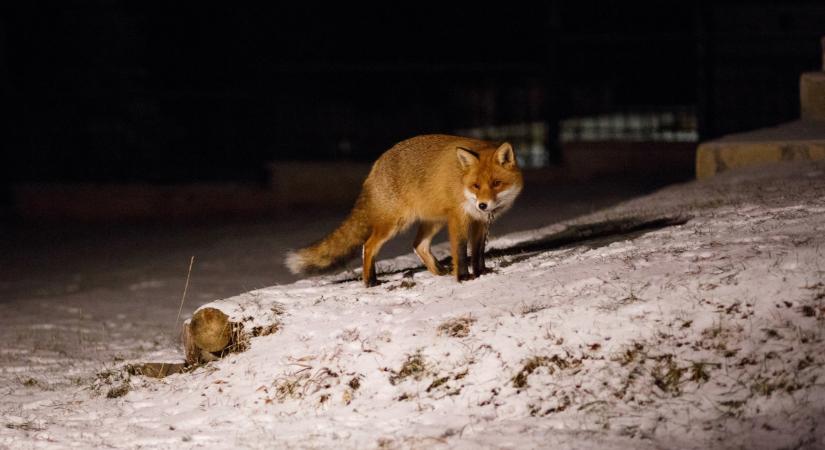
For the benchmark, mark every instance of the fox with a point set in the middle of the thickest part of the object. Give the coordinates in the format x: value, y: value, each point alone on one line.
x: 433, y: 180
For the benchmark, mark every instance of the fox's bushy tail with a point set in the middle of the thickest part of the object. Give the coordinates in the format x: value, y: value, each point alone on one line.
x: 337, y: 248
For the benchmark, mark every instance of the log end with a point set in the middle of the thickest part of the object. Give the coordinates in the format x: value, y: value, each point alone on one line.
x: 210, y: 330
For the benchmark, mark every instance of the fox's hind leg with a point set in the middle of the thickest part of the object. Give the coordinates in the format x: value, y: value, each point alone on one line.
x: 380, y: 235
x: 421, y: 246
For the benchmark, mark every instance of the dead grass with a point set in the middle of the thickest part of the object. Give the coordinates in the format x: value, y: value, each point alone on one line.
x: 458, y: 327
x: 27, y: 425
x: 115, y: 382
x: 532, y: 308
x: 768, y: 384
x: 404, y: 284
x: 808, y: 311
x: 119, y: 390
x: 30, y: 382
x: 288, y: 388
x: 632, y: 353
x: 699, y: 372
x: 437, y: 382
x: 561, y: 404
x: 307, y: 382
x: 667, y: 375
x: 550, y: 363
x: 414, y: 367
x: 720, y: 337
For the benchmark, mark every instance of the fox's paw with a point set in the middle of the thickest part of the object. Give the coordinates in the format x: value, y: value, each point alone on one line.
x: 465, y: 277
x: 436, y: 268
x: 372, y: 282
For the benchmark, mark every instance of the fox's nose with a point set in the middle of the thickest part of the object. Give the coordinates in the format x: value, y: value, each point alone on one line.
x: 482, y: 206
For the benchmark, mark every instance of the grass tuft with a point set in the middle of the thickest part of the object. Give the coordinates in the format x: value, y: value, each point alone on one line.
x: 667, y: 375
x: 458, y: 327
x: 531, y: 365
x: 414, y: 367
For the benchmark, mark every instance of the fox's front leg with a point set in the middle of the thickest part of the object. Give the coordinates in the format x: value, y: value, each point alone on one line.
x: 478, y: 240
x: 457, y: 227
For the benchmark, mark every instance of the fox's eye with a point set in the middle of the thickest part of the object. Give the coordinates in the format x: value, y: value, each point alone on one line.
x: 496, y: 183
x: 476, y: 186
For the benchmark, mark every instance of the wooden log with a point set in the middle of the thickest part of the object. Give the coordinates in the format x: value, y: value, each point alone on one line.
x: 210, y: 329
x: 205, y: 337
x: 226, y: 326
x: 194, y: 355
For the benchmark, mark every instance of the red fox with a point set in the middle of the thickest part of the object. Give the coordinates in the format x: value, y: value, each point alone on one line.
x: 432, y: 179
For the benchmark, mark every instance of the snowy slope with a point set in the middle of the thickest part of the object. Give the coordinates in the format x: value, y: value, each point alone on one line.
x: 705, y: 330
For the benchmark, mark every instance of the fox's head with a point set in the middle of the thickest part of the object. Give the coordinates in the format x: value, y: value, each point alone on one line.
x: 491, y: 180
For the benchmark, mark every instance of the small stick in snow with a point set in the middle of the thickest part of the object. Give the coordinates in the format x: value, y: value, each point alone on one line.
x: 162, y: 371
x: 185, y: 288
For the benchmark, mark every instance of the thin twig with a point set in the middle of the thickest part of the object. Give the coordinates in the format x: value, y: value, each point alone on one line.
x: 182, y: 299
x: 185, y: 288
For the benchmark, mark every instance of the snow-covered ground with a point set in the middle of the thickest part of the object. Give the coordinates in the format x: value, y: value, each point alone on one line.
x: 702, y: 330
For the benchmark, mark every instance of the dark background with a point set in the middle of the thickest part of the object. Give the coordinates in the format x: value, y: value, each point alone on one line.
x: 175, y: 92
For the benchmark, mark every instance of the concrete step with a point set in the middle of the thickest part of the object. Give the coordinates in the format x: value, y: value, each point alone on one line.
x: 798, y: 140
x: 812, y: 95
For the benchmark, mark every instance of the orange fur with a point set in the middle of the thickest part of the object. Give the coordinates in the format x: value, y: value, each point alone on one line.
x: 436, y: 180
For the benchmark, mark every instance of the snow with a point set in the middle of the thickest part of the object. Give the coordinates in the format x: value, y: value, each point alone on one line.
x: 701, y: 331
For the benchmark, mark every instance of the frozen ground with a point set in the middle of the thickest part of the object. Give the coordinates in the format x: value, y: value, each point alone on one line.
x: 702, y: 331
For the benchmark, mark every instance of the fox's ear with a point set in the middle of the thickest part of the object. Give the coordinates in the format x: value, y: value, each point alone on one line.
x: 466, y: 157
x: 505, y: 156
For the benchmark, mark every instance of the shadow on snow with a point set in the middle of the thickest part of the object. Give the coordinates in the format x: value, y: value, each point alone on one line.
x: 589, y: 235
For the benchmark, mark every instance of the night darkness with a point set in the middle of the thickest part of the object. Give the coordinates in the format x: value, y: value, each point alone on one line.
x: 174, y: 92
x: 171, y: 92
